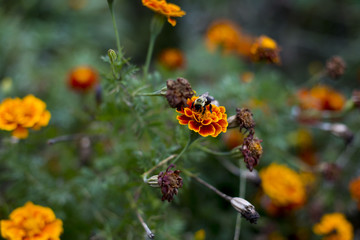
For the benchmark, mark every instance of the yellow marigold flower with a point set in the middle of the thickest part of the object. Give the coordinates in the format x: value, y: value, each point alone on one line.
x: 31, y: 222
x: 224, y: 34
x: 208, y: 123
x: 265, y: 49
x: 335, y: 227
x: 172, y: 58
x: 354, y: 188
x: 200, y: 235
x: 321, y: 97
x: 283, y: 185
x: 17, y: 115
x: 168, y: 10
x: 82, y: 78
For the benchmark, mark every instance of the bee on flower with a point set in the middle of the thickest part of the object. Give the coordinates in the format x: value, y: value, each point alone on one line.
x: 32, y: 222
x: 203, y: 117
x: 18, y: 115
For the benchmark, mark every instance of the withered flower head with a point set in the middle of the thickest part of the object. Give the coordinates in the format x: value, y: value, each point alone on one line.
x: 245, y: 118
x: 178, y: 92
x: 265, y: 49
x: 169, y: 182
x: 246, y: 209
x: 252, y: 151
x: 335, y: 67
x: 330, y: 171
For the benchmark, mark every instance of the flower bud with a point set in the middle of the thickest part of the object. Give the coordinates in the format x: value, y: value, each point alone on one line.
x: 246, y: 209
x: 153, y: 181
x: 112, y: 55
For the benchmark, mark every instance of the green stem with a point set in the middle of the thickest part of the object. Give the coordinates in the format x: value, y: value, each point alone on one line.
x: 149, y: 54
x: 110, y: 3
x: 192, y: 138
x: 145, y: 174
x: 207, y: 150
x: 242, y: 191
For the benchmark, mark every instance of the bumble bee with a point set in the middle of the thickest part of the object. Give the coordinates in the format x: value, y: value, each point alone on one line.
x: 202, y: 101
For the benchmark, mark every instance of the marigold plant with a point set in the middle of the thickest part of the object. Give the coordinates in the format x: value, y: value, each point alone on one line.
x: 335, y: 227
x: 172, y: 58
x: 265, y: 49
x: 205, y: 123
x: 168, y: 10
x: 32, y: 222
x: 82, y: 78
x: 283, y: 185
x: 354, y: 188
x: 320, y: 98
x: 17, y: 115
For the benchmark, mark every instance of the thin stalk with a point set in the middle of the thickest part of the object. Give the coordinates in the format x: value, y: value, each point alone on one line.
x: 110, y: 3
x: 192, y: 138
x: 242, y: 190
x: 149, y: 54
x: 145, y: 174
x: 211, y: 187
x: 207, y: 150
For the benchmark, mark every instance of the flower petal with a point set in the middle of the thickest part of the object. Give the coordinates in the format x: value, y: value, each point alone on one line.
x: 183, y: 120
x: 194, y: 125
x: 218, y: 129
x: 207, y: 130
x: 188, y: 112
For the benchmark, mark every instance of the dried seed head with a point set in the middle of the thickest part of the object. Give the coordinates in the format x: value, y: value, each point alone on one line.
x: 335, y: 67
x: 245, y: 118
x: 169, y: 182
x: 252, y: 151
x: 246, y: 209
x: 178, y: 92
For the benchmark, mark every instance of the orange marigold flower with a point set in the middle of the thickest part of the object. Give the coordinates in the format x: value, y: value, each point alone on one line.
x: 265, y: 49
x: 321, y: 97
x: 335, y: 227
x: 224, y: 34
x: 82, y: 78
x: 208, y: 123
x: 354, y: 188
x: 32, y: 222
x: 283, y: 185
x: 17, y: 115
x: 168, y: 10
x: 172, y: 58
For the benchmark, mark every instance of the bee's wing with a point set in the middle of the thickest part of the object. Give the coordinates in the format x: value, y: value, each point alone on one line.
x: 205, y: 94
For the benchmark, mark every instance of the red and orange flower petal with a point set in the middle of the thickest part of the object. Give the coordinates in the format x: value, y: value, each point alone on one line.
x: 183, y: 120
x: 218, y: 129
x: 194, y: 125
x: 207, y: 130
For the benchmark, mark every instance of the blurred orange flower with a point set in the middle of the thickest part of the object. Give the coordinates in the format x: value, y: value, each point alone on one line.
x: 224, y: 34
x: 265, y: 49
x: 32, y: 222
x: 321, y: 97
x: 82, y: 78
x: 283, y: 186
x: 233, y: 138
x: 172, y: 58
x: 354, y: 188
x: 205, y: 123
x: 17, y: 115
x: 335, y: 227
x: 168, y: 10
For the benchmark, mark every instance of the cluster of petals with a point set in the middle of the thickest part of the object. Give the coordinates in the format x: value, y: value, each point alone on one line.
x: 169, y: 10
x: 82, y: 78
x: 334, y: 226
x: 265, y: 49
x: 321, y: 98
x: 172, y: 58
x: 205, y: 123
x: 31, y: 222
x: 283, y: 186
x: 17, y: 115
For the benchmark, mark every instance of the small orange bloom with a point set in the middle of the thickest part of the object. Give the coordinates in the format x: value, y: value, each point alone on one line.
x: 321, y: 98
x: 233, y: 138
x: 265, y: 49
x: 82, y: 78
x: 17, y: 115
x: 224, y: 34
x: 172, y: 58
x: 207, y: 123
x: 32, y: 222
x: 334, y: 226
x: 168, y: 10
x: 354, y: 188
